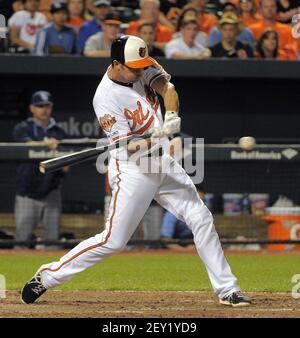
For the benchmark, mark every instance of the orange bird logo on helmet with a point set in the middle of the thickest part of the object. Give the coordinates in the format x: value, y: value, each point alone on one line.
x: 142, y: 52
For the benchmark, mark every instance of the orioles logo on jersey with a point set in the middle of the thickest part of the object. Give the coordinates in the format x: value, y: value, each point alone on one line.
x: 142, y: 52
x: 137, y: 116
x: 107, y: 121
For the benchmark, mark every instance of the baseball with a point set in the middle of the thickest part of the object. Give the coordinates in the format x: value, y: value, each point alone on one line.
x: 247, y: 142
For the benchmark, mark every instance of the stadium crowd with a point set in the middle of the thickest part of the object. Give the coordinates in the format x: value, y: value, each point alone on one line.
x: 181, y: 29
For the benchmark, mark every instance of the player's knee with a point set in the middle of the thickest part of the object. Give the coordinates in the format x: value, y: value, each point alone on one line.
x: 111, y: 242
x: 116, y: 245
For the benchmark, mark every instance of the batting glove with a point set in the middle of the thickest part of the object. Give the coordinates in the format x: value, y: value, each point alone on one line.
x: 172, y: 123
x: 157, y: 133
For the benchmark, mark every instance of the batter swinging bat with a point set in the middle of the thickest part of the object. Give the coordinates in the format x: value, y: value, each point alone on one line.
x: 58, y: 163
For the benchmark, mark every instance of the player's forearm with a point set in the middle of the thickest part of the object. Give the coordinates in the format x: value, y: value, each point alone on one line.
x: 168, y: 92
x: 171, y: 99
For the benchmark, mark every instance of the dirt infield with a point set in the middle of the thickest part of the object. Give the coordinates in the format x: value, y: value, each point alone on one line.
x: 114, y: 304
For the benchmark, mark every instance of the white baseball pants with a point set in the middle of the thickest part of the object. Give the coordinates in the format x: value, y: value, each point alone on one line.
x: 132, y: 193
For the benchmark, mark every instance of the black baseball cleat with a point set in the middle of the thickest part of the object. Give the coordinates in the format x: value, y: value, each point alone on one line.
x: 236, y: 299
x: 33, y: 289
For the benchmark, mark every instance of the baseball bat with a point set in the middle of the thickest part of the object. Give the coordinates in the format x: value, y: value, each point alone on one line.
x: 58, y: 163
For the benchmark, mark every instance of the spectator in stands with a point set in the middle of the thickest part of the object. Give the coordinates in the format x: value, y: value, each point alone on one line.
x: 146, y: 32
x: 18, y: 5
x: 45, y: 6
x: 191, y: 14
x: 230, y: 46
x: 268, y: 46
x: 170, y: 12
x: 24, y: 26
x: 76, y: 14
x: 286, y: 9
x: 150, y: 13
x: 269, y: 14
x: 206, y: 20
x: 167, y: 5
x: 98, y: 45
x: 90, y: 6
x: 9, y: 7
x: 38, y: 198
x: 101, y: 9
x: 186, y: 46
x: 245, y: 34
x: 57, y: 38
x: 247, y: 12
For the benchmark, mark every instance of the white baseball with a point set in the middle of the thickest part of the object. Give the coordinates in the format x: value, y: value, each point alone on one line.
x: 247, y: 142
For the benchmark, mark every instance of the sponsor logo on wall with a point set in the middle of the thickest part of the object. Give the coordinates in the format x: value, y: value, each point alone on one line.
x: 275, y: 155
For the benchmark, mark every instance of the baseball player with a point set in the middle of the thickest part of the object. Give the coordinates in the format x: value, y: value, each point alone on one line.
x: 126, y: 104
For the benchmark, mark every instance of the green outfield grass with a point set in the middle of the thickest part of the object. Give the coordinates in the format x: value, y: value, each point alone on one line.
x: 161, y: 272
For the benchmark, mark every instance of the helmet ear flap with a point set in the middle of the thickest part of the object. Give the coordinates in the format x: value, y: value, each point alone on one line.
x: 117, y: 49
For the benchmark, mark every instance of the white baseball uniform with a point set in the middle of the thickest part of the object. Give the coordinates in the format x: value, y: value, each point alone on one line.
x: 124, y: 110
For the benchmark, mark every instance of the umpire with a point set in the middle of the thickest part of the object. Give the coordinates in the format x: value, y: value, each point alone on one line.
x: 38, y: 196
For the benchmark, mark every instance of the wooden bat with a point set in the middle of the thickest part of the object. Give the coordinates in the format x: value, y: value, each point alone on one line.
x: 58, y: 163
